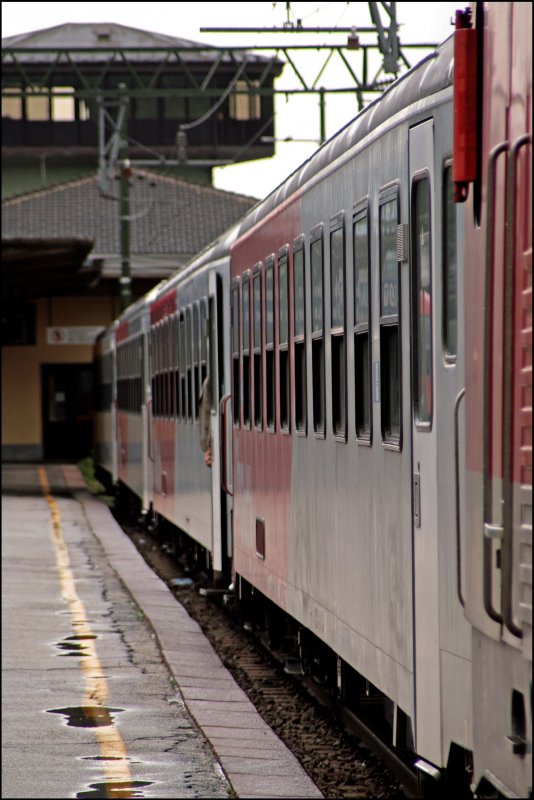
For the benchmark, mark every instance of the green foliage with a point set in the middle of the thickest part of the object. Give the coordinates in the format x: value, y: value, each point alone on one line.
x: 87, y: 468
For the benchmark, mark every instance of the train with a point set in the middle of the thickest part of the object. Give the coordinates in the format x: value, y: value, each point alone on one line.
x: 365, y: 336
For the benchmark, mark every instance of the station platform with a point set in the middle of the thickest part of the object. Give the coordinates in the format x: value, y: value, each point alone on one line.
x: 254, y: 763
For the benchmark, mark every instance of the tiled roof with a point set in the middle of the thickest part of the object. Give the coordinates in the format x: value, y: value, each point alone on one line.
x: 94, y: 34
x: 102, y: 36
x: 171, y: 219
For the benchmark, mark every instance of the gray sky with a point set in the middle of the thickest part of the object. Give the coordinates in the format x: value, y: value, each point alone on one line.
x: 295, y: 117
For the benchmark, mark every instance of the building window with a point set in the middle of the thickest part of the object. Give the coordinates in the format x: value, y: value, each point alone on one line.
x: 62, y: 104
x: 389, y: 320
x: 37, y: 108
x: 11, y: 103
x: 244, y: 103
x: 18, y: 325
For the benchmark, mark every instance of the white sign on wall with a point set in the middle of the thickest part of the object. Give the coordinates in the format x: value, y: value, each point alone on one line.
x: 76, y: 334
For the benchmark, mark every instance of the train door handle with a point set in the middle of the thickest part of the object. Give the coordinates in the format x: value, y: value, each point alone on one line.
x: 417, y: 499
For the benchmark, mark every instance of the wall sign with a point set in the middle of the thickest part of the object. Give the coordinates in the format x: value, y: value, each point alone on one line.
x: 76, y: 334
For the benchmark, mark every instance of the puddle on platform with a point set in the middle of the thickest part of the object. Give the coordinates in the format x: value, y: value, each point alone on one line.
x: 71, y: 643
x: 87, y: 716
x: 73, y: 648
x: 109, y: 758
x: 115, y: 789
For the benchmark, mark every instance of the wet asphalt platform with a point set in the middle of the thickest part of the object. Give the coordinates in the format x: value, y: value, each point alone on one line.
x: 100, y: 725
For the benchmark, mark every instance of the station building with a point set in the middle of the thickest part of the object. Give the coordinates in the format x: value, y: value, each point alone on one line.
x: 61, y: 237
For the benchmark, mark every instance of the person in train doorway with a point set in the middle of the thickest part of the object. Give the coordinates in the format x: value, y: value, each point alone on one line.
x: 204, y: 415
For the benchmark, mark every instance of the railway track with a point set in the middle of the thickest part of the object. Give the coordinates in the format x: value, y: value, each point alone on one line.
x: 341, y: 755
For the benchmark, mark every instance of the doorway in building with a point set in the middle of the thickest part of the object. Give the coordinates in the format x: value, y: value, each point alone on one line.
x: 67, y: 393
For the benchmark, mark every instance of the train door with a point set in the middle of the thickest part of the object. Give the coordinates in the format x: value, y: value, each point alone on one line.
x: 424, y: 447
x: 216, y: 371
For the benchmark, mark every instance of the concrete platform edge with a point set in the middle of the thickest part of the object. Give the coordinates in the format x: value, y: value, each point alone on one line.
x: 250, y: 775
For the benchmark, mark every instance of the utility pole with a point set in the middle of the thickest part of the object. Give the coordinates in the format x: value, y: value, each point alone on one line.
x: 124, y: 202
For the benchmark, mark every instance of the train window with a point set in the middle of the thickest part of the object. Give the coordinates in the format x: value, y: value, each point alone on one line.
x: 161, y: 338
x: 235, y: 351
x: 183, y: 368
x: 143, y: 370
x: 119, y: 378
x: 389, y: 320
x: 421, y: 302
x: 131, y: 380
x: 362, y: 340
x: 177, y: 363
x: 131, y: 376
x: 131, y: 372
x: 317, y: 289
x: 104, y: 367
x: 337, y: 304
x: 159, y: 332
x: 124, y: 373
x: 164, y: 380
x: 196, y: 358
x: 170, y: 361
x: 203, y: 341
x: 173, y: 367
x: 137, y: 373
x: 299, y: 341
x: 158, y: 369
x: 270, y: 379
x: 450, y: 277
x: 158, y: 364
x: 188, y: 362
x: 211, y: 339
x: 258, y: 414
x: 283, y: 338
x: 153, y: 369
x: 245, y: 336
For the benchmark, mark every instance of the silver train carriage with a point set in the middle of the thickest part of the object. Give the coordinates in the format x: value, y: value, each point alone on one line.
x: 343, y: 498
x: 344, y: 449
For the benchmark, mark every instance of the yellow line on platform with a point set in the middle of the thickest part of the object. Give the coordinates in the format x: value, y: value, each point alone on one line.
x: 110, y: 742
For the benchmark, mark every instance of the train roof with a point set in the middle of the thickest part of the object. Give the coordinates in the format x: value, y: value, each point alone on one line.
x: 431, y: 75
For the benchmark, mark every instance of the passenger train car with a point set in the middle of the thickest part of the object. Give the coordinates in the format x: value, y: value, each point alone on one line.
x: 365, y: 329
x: 496, y: 566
